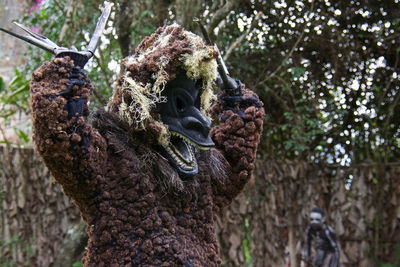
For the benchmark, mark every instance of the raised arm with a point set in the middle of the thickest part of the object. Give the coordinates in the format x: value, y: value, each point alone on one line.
x: 69, y: 146
x: 331, y: 235
x: 237, y: 136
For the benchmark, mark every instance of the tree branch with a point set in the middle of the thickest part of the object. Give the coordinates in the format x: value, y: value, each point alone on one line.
x: 186, y: 10
x: 389, y: 114
x: 125, y: 14
x: 240, y: 39
x: 290, y: 52
x: 68, y: 17
x: 101, y: 64
x: 220, y: 15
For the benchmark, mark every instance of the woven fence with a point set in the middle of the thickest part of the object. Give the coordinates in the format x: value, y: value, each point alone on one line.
x: 264, y: 226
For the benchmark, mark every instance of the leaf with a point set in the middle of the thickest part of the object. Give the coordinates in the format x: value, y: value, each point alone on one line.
x: 398, y: 252
x: 288, y: 115
x: 21, y: 135
x: 6, y: 142
x: 14, y: 238
x: 20, y: 90
x: 2, y: 85
x: 297, y: 71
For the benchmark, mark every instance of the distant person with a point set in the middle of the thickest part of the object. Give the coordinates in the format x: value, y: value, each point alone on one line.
x: 326, y: 249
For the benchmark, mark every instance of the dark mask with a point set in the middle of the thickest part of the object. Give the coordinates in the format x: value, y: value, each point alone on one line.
x: 189, y: 128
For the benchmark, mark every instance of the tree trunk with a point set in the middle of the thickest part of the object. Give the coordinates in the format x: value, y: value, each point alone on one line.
x: 186, y: 12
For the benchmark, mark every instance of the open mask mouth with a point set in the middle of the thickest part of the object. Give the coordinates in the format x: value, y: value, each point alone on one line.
x: 181, y: 152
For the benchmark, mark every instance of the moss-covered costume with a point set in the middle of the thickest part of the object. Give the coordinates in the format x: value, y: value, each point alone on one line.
x: 138, y: 210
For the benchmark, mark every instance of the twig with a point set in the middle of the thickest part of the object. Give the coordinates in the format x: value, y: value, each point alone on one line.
x: 281, y: 100
x: 390, y: 37
x: 67, y: 21
x: 221, y: 14
x: 291, y: 50
x: 100, y: 62
x: 391, y: 107
x: 240, y: 39
x: 221, y: 65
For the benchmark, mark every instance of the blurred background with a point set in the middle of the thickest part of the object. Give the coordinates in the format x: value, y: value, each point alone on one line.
x: 328, y: 74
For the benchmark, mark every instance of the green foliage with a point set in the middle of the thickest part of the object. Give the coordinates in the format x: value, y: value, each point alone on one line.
x: 140, y: 29
x: 2, y: 195
x: 397, y: 260
x: 75, y: 30
x: 13, y: 101
x: 303, y: 79
x: 246, y: 242
x: 2, y: 85
x: 297, y: 72
x: 51, y: 20
x: 77, y: 264
x: 15, y: 94
x: 398, y: 252
x: 305, y: 72
x: 22, y: 135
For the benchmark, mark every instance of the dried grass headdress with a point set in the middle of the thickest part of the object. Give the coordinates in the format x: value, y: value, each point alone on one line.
x: 158, y: 60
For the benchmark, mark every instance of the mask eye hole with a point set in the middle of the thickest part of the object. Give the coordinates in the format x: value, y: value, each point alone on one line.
x: 180, y: 104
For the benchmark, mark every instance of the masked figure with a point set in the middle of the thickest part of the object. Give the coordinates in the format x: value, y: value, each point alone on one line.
x: 149, y: 172
x: 326, y: 249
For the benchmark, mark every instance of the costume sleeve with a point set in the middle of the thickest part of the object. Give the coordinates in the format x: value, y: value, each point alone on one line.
x: 237, y: 136
x: 69, y: 146
x: 331, y: 235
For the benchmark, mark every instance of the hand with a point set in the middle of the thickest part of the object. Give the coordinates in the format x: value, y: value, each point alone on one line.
x: 78, y: 76
x: 243, y: 101
x: 231, y: 87
x: 307, y: 260
x: 80, y: 58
